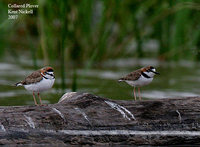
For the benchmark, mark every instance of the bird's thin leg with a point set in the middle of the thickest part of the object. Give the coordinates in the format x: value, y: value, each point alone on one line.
x: 40, y: 98
x: 139, y: 93
x: 134, y: 94
x: 34, y: 99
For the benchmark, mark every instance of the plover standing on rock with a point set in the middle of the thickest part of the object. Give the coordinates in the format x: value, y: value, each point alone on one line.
x: 140, y: 77
x: 40, y: 80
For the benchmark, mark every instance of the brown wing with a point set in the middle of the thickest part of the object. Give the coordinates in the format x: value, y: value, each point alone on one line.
x: 34, y: 77
x: 132, y: 76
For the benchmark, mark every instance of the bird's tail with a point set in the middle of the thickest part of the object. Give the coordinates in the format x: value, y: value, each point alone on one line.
x: 19, y: 84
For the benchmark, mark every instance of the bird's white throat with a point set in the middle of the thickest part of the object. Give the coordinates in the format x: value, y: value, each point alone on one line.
x: 150, y: 73
x: 48, y: 75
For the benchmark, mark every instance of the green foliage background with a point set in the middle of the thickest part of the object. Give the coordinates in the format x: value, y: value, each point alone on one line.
x: 95, y: 30
x: 80, y: 33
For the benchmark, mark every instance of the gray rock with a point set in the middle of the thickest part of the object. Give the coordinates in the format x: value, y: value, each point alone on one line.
x: 86, y: 119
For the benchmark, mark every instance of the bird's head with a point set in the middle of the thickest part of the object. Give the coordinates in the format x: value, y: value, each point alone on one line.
x: 48, y: 72
x: 150, y: 71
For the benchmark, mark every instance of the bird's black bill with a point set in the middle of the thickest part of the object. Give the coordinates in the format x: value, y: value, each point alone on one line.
x: 156, y: 72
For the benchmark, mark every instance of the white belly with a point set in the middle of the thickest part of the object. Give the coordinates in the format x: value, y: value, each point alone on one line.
x: 43, y: 85
x: 142, y: 81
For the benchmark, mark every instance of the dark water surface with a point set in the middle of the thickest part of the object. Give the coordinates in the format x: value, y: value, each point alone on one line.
x: 176, y: 80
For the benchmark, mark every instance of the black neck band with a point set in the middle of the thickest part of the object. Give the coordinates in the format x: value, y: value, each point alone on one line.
x: 145, y: 75
x: 44, y: 77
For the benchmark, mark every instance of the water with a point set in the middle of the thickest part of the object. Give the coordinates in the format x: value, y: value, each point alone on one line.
x: 179, y: 79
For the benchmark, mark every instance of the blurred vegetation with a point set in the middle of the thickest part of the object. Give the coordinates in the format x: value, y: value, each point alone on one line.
x: 83, y: 32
